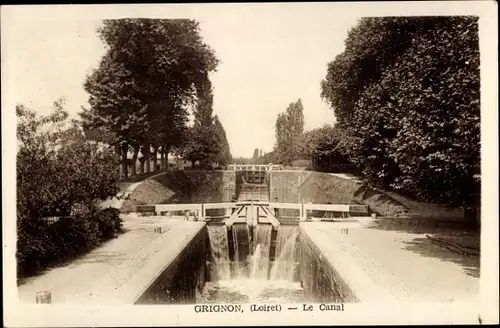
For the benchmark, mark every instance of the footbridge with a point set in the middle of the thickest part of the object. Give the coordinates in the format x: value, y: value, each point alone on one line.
x: 256, y: 212
x: 255, y: 167
x: 254, y: 174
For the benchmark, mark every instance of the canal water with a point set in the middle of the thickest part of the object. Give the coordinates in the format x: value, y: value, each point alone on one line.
x: 254, y: 278
x: 246, y: 264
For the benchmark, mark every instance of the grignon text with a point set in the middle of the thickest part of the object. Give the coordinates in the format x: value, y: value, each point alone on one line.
x: 217, y: 308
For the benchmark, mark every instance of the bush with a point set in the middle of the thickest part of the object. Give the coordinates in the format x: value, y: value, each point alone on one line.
x: 41, y: 244
x: 109, y: 222
x: 60, y: 173
x: 34, y: 245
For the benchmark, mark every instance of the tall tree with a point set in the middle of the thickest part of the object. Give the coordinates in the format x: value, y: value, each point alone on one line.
x: 255, y: 153
x: 323, y: 147
x: 207, y: 144
x: 144, y: 82
x: 204, y: 105
x: 289, y: 126
x: 406, y: 93
x: 224, y: 156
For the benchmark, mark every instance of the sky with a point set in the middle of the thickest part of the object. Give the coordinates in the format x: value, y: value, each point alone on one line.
x: 271, y: 55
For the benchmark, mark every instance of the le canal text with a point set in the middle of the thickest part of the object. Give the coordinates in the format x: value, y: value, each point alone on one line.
x: 224, y: 308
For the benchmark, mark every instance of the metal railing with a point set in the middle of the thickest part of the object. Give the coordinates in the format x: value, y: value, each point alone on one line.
x: 254, y: 167
x: 200, y: 210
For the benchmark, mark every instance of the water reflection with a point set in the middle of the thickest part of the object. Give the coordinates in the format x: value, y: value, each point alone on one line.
x: 252, y: 290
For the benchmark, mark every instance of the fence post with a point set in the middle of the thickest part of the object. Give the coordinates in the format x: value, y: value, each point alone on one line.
x: 303, y: 213
x: 44, y: 297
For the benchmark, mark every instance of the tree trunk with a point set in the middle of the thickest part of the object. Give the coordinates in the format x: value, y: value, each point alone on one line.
x: 118, y: 153
x: 155, y: 158
x: 162, y: 159
x: 124, y: 152
x: 134, y: 160
x: 147, y: 157
x: 141, y: 165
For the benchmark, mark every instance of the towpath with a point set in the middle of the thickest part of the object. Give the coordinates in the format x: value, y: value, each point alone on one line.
x: 83, y: 280
x: 117, y: 202
x: 401, y: 260
x: 116, y: 271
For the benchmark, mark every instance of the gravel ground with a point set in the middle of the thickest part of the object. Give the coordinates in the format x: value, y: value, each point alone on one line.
x: 406, y: 263
x: 110, y: 273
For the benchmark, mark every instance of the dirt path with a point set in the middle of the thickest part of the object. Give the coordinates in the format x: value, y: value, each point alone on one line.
x: 115, y: 271
x: 117, y: 202
x: 406, y: 263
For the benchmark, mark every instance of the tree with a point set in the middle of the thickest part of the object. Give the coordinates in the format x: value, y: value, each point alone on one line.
x: 206, y: 144
x: 145, y: 81
x: 255, y: 153
x: 201, y: 145
x: 406, y: 93
x: 60, y: 173
x: 224, y: 156
x: 289, y: 126
x: 204, y: 104
x: 323, y: 147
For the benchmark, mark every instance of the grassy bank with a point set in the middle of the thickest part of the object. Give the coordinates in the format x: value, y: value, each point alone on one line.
x: 183, y: 187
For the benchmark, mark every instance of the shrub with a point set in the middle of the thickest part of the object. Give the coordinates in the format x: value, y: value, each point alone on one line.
x: 41, y: 244
x: 109, y: 222
x: 34, y: 244
x: 60, y: 173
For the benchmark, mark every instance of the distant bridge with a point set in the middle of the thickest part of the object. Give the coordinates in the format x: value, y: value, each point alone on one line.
x: 255, y: 167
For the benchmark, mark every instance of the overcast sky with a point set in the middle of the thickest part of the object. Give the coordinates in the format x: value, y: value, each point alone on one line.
x: 271, y: 55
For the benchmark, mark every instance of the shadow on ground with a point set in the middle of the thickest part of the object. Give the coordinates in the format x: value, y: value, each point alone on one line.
x: 456, y: 232
x: 68, y: 260
x: 424, y: 247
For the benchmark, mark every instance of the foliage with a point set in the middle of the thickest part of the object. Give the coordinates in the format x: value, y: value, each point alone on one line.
x: 406, y: 94
x: 223, y: 156
x: 322, y: 146
x: 149, y: 76
x: 206, y: 140
x: 200, y: 145
x: 255, y: 153
x: 207, y: 144
x: 204, y: 105
x: 109, y: 223
x: 242, y: 160
x: 289, y: 126
x: 59, y: 173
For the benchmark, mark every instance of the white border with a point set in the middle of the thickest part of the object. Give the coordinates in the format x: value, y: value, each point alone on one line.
x: 16, y: 314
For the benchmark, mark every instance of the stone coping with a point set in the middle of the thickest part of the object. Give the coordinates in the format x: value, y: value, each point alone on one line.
x: 165, y: 251
x: 119, y: 271
x: 337, y: 255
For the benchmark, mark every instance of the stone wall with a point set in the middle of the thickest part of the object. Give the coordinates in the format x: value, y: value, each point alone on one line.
x: 330, y: 270
x: 183, y: 187
x: 323, y: 188
x: 321, y: 282
x: 315, y: 187
x: 182, y: 279
x: 211, y: 186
